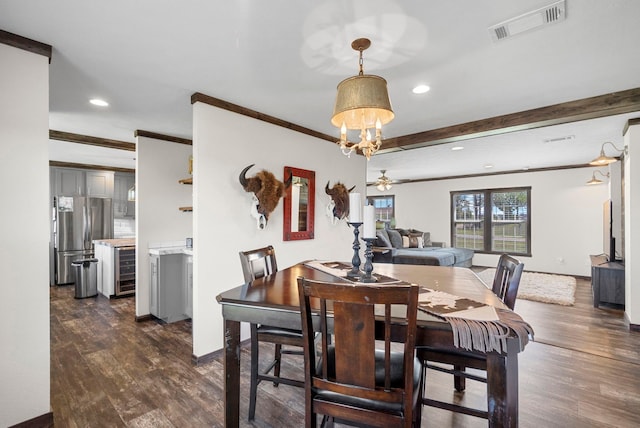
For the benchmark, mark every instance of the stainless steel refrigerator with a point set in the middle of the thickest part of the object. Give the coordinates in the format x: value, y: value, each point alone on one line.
x: 77, y: 222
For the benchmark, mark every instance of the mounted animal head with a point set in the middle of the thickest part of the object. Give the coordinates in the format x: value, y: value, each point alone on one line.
x: 338, y: 208
x: 267, y: 191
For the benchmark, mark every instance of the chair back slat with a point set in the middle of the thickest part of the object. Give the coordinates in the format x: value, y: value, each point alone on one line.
x: 354, y: 342
x: 258, y: 263
x: 507, y: 279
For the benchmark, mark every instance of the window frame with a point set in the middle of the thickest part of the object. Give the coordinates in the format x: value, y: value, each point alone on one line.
x: 488, y: 221
x: 371, y: 201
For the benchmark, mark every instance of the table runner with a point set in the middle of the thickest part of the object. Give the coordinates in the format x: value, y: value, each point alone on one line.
x: 475, y: 326
x: 340, y: 270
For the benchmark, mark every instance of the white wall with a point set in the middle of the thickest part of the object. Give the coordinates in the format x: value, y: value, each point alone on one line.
x: 24, y: 258
x: 159, y: 166
x: 223, y: 144
x: 566, y: 215
x: 632, y: 230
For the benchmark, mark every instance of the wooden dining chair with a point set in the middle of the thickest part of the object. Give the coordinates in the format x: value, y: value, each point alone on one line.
x: 505, y: 285
x: 347, y: 379
x: 256, y: 264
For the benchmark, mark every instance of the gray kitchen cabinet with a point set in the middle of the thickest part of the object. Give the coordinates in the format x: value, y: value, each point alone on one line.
x: 68, y: 182
x: 122, y: 207
x: 188, y: 286
x: 81, y: 182
x: 100, y: 184
x: 167, y: 287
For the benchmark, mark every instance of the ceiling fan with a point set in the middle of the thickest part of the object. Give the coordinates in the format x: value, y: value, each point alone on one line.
x: 383, y: 182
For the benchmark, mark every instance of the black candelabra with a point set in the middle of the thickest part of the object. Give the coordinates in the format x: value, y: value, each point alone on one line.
x: 368, y: 264
x: 355, y: 273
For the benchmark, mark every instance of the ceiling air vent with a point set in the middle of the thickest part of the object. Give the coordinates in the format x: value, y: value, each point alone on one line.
x: 550, y: 14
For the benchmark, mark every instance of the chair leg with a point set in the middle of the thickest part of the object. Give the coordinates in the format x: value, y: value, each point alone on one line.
x: 277, y: 359
x: 254, y: 373
x: 459, y: 382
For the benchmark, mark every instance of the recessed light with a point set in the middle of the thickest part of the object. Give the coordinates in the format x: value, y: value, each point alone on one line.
x: 99, y: 102
x: 421, y: 89
x: 488, y: 166
x: 456, y: 148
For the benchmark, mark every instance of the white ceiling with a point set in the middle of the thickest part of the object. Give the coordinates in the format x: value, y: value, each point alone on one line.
x: 285, y: 58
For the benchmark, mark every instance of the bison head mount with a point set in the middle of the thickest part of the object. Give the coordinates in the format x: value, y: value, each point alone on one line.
x: 267, y: 191
x: 338, y: 208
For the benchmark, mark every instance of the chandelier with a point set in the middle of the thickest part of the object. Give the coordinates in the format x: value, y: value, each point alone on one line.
x: 363, y: 104
x: 383, y: 183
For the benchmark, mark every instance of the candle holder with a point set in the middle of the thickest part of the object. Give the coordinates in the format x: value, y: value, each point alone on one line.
x: 368, y: 265
x: 355, y: 273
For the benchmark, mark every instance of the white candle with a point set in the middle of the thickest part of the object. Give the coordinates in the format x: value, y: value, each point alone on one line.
x: 369, y: 227
x: 354, y: 208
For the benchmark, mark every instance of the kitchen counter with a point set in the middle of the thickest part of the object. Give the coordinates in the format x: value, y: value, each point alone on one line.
x: 115, y: 243
x: 170, y: 250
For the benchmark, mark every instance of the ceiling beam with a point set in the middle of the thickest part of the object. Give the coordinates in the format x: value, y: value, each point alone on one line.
x: 23, y: 43
x: 92, y: 141
x: 588, y: 108
x: 90, y: 166
x: 485, y: 174
x: 225, y: 105
x: 163, y: 137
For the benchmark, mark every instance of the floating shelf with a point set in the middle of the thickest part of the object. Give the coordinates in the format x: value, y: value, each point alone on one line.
x: 186, y: 209
x: 186, y: 181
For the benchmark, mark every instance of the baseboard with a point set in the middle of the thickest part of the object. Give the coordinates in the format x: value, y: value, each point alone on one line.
x: 632, y: 327
x: 207, y: 358
x: 142, y: 318
x: 42, y: 421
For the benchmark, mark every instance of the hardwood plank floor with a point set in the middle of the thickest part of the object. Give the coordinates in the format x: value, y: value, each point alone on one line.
x: 109, y: 371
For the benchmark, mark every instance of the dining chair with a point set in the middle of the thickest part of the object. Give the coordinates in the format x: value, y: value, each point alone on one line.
x: 353, y: 379
x: 505, y: 285
x: 257, y: 264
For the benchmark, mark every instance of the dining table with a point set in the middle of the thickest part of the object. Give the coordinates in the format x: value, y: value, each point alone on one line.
x: 273, y: 300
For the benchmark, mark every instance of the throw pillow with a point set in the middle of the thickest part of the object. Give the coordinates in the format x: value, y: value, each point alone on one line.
x: 382, y: 239
x: 416, y: 240
x: 426, y: 237
x: 395, y: 238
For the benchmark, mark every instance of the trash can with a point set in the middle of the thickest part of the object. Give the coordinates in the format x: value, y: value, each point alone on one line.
x: 86, y: 277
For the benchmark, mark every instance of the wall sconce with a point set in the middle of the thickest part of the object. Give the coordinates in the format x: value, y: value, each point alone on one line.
x: 131, y: 194
x: 604, y: 159
x: 594, y: 180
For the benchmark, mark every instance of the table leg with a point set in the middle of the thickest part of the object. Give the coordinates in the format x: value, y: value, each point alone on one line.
x: 231, y: 373
x: 502, y: 387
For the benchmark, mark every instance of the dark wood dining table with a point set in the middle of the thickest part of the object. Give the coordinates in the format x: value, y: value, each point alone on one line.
x: 273, y: 300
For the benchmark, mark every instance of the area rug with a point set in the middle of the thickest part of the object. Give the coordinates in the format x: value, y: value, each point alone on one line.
x: 540, y: 287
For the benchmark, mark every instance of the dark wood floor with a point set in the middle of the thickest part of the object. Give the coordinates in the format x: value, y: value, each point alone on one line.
x: 109, y: 371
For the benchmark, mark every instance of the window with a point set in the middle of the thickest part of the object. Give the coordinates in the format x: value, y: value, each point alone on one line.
x: 506, y: 230
x: 384, y: 208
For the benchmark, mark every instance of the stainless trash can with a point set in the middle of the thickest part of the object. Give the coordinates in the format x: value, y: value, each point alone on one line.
x: 86, y: 277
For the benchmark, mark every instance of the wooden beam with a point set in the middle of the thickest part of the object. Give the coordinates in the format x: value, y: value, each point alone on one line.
x: 89, y: 166
x: 92, y: 141
x: 588, y: 108
x: 485, y: 174
x: 25, y: 44
x: 155, y: 135
x: 630, y: 122
x: 225, y: 105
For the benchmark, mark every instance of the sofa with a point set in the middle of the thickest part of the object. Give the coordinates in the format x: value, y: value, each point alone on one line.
x: 410, y: 246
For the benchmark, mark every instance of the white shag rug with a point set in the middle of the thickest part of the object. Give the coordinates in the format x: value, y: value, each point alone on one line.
x: 540, y: 287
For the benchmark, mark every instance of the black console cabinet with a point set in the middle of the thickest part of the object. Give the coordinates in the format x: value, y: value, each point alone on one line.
x: 607, y: 281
